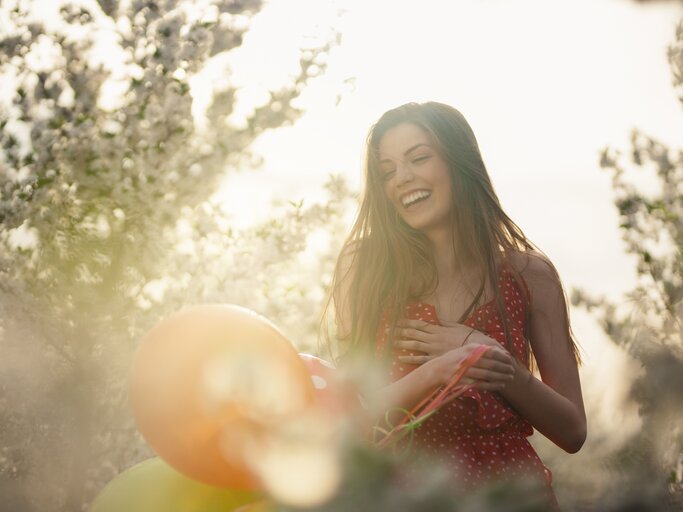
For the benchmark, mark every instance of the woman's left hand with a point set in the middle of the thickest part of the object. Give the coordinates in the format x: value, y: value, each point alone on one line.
x: 430, y: 339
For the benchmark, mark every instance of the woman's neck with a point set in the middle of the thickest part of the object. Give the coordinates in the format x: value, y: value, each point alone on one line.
x: 449, y: 261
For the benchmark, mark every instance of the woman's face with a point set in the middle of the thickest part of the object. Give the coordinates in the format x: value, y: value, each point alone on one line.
x: 416, y: 177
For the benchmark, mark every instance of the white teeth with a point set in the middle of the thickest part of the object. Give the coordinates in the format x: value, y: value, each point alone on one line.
x: 415, y: 196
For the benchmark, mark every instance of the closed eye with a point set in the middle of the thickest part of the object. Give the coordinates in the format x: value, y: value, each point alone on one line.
x: 421, y: 159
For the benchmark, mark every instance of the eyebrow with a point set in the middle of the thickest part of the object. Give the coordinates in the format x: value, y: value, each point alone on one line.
x: 405, y: 153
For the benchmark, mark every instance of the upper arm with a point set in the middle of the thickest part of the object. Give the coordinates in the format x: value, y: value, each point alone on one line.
x: 549, y: 328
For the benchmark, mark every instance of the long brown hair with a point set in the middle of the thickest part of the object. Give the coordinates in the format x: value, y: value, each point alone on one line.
x: 393, y: 262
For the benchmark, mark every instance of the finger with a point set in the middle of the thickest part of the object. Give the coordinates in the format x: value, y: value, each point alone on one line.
x: 454, y: 324
x: 410, y: 333
x: 498, y: 354
x: 494, y: 365
x: 414, y: 359
x: 475, y: 339
x: 490, y: 386
x: 412, y: 345
x: 419, y: 325
x: 488, y: 375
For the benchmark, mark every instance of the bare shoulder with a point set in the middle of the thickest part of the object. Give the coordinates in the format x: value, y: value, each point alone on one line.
x: 537, y: 270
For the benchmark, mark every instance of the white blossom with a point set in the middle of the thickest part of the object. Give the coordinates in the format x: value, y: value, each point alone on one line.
x: 118, y: 194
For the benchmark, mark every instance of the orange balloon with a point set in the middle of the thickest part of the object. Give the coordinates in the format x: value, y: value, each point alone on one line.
x: 207, y: 382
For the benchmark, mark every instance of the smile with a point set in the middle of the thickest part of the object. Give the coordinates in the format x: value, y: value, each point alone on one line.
x: 414, y: 197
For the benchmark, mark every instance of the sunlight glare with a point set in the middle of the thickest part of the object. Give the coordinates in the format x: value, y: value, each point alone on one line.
x: 299, y: 463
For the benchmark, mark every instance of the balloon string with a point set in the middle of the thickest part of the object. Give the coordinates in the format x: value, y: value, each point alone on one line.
x: 433, y: 401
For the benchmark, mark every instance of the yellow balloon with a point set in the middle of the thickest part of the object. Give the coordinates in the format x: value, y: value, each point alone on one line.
x: 261, y: 506
x: 153, y: 486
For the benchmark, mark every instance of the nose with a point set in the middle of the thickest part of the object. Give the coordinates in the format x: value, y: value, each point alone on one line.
x: 404, y: 174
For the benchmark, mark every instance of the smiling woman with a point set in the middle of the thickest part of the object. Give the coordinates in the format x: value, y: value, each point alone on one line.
x: 432, y: 269
x: 416, y: 180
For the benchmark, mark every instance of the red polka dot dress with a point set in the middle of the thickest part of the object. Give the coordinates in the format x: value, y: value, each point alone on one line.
x: 479, y: 436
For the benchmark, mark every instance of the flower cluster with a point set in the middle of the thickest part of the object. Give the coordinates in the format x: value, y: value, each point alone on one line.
x: 107, y: 220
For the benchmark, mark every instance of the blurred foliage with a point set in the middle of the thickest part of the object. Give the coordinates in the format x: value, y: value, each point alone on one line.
x: 649, y: 323
x: 380, y: 481
x: 107, y: 222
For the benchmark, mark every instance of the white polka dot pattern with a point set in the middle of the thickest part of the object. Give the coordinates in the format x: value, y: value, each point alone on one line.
x: 478, y: 435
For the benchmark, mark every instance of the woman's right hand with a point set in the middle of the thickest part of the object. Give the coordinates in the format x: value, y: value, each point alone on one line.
x: 493, y: 371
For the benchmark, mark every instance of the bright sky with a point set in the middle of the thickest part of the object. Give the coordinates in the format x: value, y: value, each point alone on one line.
x: 545, y: 85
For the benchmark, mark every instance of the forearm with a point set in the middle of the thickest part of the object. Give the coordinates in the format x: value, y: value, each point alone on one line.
x: 552, y: 414
x: 403, y: 394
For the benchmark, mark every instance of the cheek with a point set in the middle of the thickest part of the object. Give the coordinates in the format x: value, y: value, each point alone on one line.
x: 444, y: 186
x: 387, y: 193
x: 446, y: 197
x: 449, y: 196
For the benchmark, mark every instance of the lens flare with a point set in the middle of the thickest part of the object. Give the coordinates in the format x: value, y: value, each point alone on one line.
x: 298, y: 462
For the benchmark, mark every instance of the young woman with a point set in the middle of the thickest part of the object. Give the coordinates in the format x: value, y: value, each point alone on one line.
x: 434, y: 267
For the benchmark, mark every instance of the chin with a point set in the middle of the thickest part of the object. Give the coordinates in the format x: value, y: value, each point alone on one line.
x: 424, y: 224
